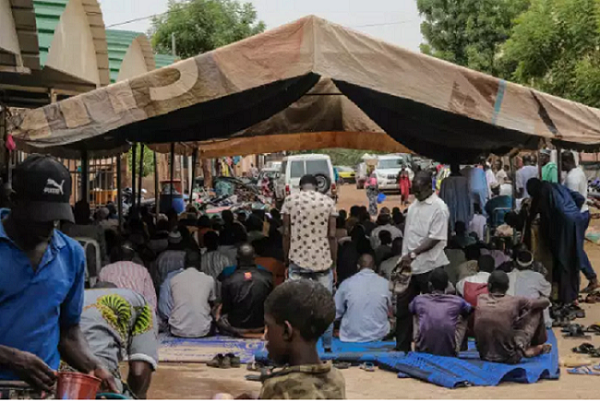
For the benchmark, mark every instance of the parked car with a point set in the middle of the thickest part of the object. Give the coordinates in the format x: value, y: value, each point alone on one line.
x: 388, y: 168
x: 346, y: 174
x: 295, y: 166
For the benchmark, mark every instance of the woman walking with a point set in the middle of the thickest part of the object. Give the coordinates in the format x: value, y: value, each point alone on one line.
x: 405, y: 185
x: 372, y: 193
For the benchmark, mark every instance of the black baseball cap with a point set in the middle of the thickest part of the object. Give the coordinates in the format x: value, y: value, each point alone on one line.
x: 42, y: 188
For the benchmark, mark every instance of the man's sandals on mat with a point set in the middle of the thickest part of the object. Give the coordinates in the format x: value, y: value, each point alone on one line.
x: 575, y: 331
x: 225, y: 361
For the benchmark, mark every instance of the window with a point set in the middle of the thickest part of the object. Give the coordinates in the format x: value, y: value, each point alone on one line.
x: 317, y: 166
x: 390, y: 164
x: 297, y: 169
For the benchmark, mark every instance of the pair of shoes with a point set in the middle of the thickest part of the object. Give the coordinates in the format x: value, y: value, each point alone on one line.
x: 585, y: 370
x: 225, y: 361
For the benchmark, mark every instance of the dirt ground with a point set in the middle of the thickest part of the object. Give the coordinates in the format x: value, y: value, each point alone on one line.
x: 197, y: 381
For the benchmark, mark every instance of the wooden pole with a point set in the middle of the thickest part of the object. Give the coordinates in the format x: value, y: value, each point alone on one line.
x: 85, y: 176
x: 172, y: 175
x: 3, y: 138
x: 156, y: 188
x: 133, y: 170
x: 140, y: 176
x: 119, y: 192
x: 193, y: 174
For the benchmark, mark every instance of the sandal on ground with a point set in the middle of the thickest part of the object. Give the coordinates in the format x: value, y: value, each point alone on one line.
x: 584, y: 349
x: 342, y: 365
x: 585, y: 370
x: 234, y: 360
x: 220, y: 361
x: 590, y: 288
x: 575, y: 331
x: 575, y: 361
x: 594, y: 329
x: 370, y: 367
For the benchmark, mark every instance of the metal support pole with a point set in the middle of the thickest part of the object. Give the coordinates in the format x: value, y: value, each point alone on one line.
x: 559, y: 163
x: 172, y: 175
x: 119, y: 192
x: 140, y: 176
x: 133, y: 165
x: 85, y: 176
x: 156, y: 188
x: 193, y: 169
x: 3, y: 138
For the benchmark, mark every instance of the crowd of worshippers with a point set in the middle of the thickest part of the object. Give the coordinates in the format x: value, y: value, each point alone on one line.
x: 419, y: 276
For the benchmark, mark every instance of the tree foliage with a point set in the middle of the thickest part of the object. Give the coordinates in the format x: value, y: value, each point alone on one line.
x: 340, y: 156
x: 148, y: 161
x: 203, y: 25
x: 555, y: 47
x: 469, y: 32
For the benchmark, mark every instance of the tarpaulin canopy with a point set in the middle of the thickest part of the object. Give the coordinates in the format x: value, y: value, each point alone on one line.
x: 434, y: 108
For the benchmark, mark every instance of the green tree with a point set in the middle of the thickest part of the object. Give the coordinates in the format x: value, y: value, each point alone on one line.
x: 555, y: 47
x: 469, y: 32
x: 148, y: 161
x: 203, y: 25
x: 341, y: 156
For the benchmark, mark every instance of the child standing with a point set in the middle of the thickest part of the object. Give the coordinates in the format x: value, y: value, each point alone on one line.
x: 297, y: 314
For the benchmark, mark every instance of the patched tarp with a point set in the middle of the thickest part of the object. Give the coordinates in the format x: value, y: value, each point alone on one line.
x: 432, y: 107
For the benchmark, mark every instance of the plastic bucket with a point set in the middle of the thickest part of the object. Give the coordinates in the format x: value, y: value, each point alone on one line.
x: 77, y: 386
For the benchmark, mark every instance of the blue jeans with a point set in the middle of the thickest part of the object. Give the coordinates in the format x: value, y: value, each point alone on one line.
x: 326, y: 279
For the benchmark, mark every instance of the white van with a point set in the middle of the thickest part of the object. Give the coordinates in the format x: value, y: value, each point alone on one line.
x: 296, y: 166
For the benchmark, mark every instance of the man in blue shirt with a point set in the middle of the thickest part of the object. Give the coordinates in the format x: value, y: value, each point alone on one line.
x: 42, y: 270
x: 364, y: 303
x: 498, y: 206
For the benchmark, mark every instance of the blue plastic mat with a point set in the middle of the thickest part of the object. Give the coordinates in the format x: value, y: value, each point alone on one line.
x: 350, y: 352
x: 202, y: 350
x: 468, y: 369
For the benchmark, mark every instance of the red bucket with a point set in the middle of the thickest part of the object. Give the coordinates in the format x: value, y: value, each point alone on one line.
x: 77, y: 386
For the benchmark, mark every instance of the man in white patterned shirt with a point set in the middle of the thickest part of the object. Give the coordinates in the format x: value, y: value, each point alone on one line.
x: 309, y: 242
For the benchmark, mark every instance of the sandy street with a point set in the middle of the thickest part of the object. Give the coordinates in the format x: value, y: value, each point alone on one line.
x: 197, y: 381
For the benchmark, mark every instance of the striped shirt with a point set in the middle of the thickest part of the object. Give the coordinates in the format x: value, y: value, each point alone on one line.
x: 129, y: 275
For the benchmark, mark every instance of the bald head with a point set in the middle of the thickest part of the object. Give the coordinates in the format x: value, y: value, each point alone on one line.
x: 245, y: 255
x: 366, y: 261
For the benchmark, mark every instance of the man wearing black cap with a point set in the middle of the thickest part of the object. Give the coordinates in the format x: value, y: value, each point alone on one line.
x: 41, y: 291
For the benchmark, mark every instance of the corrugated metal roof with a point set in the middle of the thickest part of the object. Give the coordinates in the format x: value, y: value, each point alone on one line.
x: 47, y: 17
x: 163, y: 60
x: 118, y: 43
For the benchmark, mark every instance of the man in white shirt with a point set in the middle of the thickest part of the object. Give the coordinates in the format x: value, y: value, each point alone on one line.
x: 577, y: 181
x: 384, y: 222
x: 485, y: 266
x: 425, y: 237
x: 527, y: 172
x: 501, y: 176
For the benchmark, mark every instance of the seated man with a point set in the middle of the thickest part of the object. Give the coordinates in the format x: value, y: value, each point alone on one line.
x: 265, y: 260
x: 214, y: 261
x: 498, y: 206
x: 462, y: 239
x: 126, y: 274
x: 478, y: 222
x: 186, y: 300
x: 508, y: 328
x: 243, y: 294
x: 364, y: 303
x: 440, y: 318
x: 384, y: 251
x: 525, y: 282
x: 473, y: 284
x: 116, y: 320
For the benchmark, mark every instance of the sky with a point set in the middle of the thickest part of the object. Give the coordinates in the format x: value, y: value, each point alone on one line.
x: 395, y: 21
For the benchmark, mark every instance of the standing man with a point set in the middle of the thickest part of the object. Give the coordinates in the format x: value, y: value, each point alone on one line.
x: 41, y: 291
x: 523, y: 175
x: 425, y: 237
x: 309, y: 243
x: 549, y: 168
x: 577, y: 181
x: 478, y: 185
x: 501, y: 175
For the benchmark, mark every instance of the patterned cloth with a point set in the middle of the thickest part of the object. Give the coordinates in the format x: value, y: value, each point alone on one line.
x: 116, y: 322
x: 129, y: 275
x: 319, y: 381
x: 309, y: 213
x: 18, y: 390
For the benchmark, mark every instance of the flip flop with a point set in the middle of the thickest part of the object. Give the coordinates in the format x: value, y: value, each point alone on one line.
x: 594, y: 328
x: 585, y: 370
x: 369, y: 367
x: 584, y: 349
x: 342, y: 365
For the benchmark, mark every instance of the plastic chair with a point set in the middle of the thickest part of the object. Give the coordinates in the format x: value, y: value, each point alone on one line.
x: 93, y: 259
